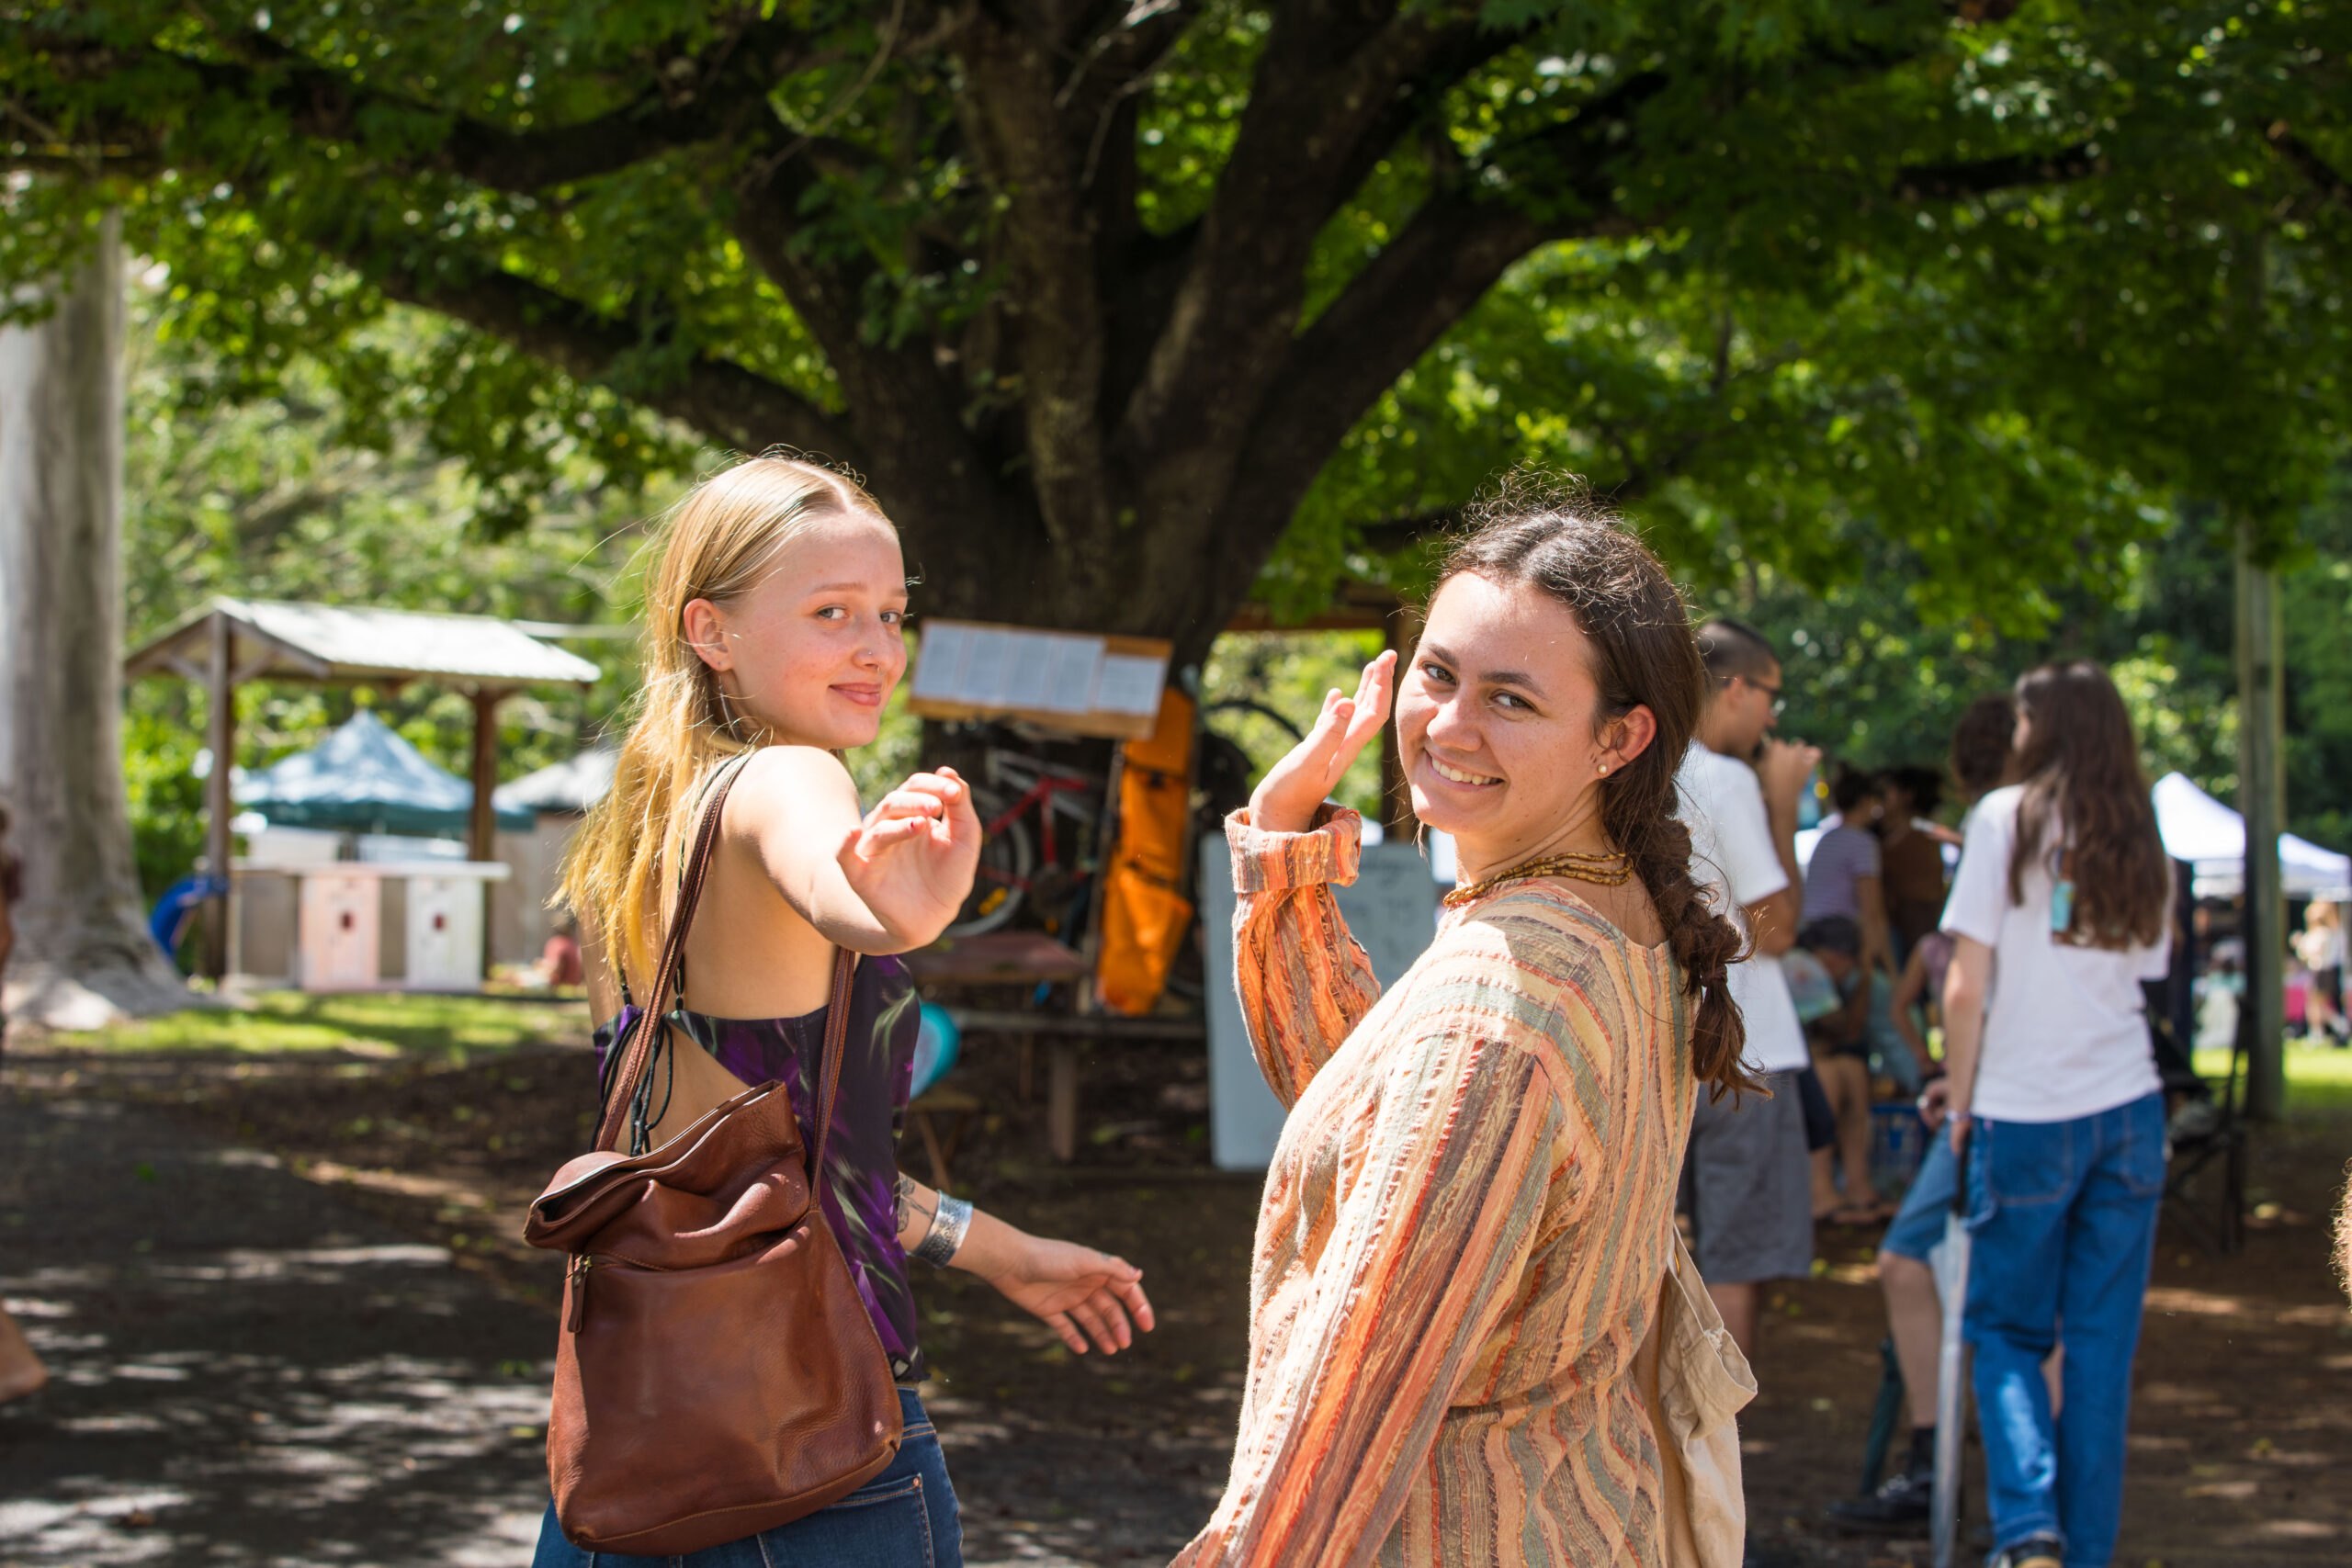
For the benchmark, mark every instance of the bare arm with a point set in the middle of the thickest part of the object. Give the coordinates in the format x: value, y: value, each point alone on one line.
x: 883, y: 882
x: 1878, y: 949
x: 1782, y: 772
x: 1080, y: 1293
x: 1773, y: 918
x: 1910, y: 988
x: 1966, y: 987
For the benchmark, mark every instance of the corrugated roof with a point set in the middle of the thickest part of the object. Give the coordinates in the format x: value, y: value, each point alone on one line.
x: 272, y: 640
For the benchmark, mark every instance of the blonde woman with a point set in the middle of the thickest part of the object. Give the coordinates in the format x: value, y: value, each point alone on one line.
x: 775, y: 620
x: 1471, y: 1211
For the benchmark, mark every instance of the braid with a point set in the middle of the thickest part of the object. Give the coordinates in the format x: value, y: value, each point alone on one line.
x: 1705, y: 946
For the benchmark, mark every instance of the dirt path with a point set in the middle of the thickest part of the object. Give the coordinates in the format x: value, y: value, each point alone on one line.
x: 330, y: 1287
x: 245, y: 1369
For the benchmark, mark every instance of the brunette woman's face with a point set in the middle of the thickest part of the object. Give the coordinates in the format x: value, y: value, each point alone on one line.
x: 1496, y: 722
x: 813, y: 649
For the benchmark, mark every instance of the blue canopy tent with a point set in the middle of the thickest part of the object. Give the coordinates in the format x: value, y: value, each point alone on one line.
x: 365, y: 779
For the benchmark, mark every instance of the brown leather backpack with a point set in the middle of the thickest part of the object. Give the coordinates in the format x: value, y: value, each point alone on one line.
x: 717, y: 1375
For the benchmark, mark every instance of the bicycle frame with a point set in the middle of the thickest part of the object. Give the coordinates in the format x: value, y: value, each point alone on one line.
x: 1040, y: 794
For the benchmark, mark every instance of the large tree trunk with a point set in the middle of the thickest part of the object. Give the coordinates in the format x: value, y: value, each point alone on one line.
x: 83, y: 955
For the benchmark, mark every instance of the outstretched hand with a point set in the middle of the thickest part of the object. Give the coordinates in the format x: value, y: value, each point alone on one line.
x: 912, y: 858
x: 1286, y: 798
x: 1080, y: 1293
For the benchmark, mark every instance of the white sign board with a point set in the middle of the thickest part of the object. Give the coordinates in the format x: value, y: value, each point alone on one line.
x: 1392, y: 909
x: 1077, y: 680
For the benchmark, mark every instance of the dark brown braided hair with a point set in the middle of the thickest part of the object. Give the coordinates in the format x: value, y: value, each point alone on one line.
x: 1554, y: 536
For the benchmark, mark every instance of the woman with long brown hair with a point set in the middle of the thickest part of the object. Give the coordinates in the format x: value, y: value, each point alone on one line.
x: 1471, y: 1212
x: 2060, y: 908
x: 774, y: 611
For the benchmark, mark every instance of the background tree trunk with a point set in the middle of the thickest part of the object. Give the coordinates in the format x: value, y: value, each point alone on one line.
x: 83, y: 955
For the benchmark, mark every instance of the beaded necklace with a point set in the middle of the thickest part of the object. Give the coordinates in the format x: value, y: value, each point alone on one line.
x: 1609, y: 870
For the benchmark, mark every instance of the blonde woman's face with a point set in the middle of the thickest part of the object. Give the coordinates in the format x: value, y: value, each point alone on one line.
x: 813, y: 651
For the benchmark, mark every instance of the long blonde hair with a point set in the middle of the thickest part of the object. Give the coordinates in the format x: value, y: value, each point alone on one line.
x: 716, y: 544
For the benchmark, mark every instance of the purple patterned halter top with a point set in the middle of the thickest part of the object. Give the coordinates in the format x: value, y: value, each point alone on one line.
x: 859, y: 1192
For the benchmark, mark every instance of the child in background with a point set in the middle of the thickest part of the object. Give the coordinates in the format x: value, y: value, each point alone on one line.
x: 1832, y: 992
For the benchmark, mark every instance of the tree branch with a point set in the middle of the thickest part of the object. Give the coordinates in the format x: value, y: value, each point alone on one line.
x: 719, y: 397
x: 2304, y: 159
x: 1959, y: 182
x: 1326, y: 83
x: 1452, y: 251
x: 328, y: 106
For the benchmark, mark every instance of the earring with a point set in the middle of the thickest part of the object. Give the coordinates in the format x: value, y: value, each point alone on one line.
x: 1604, y: 770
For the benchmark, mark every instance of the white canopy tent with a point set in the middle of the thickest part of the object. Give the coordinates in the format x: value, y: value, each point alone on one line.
x: 2212, y: 838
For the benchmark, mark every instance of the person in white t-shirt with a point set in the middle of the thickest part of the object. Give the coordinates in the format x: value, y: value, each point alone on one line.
x: 1746, y: 1176
x: 2062, y: 906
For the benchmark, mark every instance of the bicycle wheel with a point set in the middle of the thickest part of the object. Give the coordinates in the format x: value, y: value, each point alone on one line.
x: 1002, y: 880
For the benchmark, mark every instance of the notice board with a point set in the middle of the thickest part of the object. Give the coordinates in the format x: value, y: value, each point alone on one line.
x: 1391, y: 908
x: 1085, y: 683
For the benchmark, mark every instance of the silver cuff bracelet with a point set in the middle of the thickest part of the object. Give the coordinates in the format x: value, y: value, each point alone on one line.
x: 939, y: 1245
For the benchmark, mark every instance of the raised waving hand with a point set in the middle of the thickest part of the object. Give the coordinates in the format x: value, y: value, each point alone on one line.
x: 1286, y: 798
x: 911, y: 860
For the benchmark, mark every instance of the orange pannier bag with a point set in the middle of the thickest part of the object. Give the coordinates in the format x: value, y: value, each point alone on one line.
x: 1144, y: 918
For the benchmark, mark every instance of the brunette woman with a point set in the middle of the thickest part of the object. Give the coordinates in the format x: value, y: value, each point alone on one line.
x: 2060, y: 908
x: 1470, y: 1213
x: 773, y: 625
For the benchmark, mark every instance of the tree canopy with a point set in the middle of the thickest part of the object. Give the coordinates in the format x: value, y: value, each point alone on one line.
x: 1101, y: 295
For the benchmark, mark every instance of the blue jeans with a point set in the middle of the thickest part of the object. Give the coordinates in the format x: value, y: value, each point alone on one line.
x: 904, y: 1518
x: 2064, y: 1216
x: 1919, y: 1226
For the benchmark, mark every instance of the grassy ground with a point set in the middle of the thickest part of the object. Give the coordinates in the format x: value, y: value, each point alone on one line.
x: 2319, y: 1077
x: 375, y: 1024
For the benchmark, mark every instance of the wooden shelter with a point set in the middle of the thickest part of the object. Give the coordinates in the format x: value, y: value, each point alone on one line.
x: 229, y: 641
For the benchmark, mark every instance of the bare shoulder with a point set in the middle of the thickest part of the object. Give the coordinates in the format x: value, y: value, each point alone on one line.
x: 799, y: 785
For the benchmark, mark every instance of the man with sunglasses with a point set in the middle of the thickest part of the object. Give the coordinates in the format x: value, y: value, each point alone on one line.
x: 1747, y: 1178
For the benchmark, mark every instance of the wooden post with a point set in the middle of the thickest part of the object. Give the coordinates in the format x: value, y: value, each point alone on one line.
x: 2262, y: 801
x: 1061, y: 1099
x: 219, y: 808
x: 482, y: 832
x: 481, y: 829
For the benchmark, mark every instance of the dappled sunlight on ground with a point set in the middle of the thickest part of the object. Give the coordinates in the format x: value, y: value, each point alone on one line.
x: 350, y: 1400
x: 321, y: 1342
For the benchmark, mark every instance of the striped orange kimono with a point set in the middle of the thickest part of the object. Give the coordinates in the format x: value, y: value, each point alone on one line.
x: 1464, y: 1230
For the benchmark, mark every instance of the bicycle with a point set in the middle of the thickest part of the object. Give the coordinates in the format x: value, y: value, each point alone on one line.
x: 1011, y: 870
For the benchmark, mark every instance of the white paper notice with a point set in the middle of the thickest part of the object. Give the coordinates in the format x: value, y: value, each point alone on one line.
x: 1129, y: 684
x: 1070, y: 679
x: 983, y: 680
x: 939, y: 661
x: 1028, y: 662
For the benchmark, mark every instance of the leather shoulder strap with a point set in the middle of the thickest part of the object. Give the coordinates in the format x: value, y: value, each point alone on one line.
x: 829, y: 1074
x: 637, y: 1049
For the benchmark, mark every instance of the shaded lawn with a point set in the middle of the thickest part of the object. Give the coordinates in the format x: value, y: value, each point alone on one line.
x: 382, y: 1024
